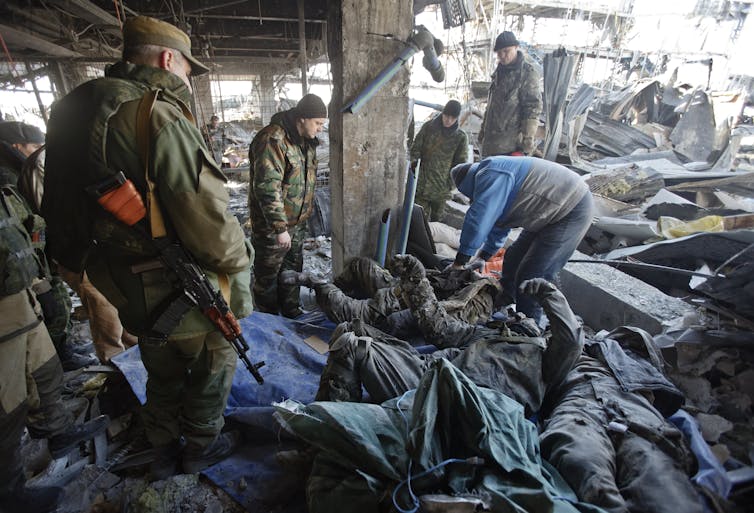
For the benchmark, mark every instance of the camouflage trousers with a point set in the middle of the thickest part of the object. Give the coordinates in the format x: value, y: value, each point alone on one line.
x: 31, y: 380
x: 270, y: 296
x: 188, y: 382
x: 56, y: 307
x: 434, y: 206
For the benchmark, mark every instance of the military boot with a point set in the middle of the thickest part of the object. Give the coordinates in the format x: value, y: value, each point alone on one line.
x: 63, y: 443
x: 165, y: 463
x: 43, y: 499
x: 196, y: 458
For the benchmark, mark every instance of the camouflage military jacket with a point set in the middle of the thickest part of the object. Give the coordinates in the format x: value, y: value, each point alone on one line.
x: 189, y: 185
x: 283, y: 175
x: 513, y: 106
x: 439, y: 149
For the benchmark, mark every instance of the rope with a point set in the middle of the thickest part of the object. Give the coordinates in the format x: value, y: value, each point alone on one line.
x: 117, y: 13
x: 10, y: 59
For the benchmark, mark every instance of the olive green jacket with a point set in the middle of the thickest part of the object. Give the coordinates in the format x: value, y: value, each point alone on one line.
x: 513, y: 107
x: 440, y: 149
x: 190, y: 190
x: 283, y: 176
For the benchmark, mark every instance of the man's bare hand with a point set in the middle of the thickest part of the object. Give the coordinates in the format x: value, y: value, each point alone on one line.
x: 284, y: 240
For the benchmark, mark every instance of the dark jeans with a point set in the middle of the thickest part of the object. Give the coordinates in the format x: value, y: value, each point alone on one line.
x: 543, y: 254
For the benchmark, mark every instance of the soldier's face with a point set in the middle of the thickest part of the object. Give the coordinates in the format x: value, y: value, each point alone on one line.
x: 180, y: 67
x: 448, y: 121
x: 308, y: 128
x: 507, y: 55
x: 27, y: 149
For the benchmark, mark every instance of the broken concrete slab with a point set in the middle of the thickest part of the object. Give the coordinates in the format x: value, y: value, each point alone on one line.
x: 607, y: 298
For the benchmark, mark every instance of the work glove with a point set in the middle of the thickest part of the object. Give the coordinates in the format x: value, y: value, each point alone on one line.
x: 451, y: 267
x: 476, y: 264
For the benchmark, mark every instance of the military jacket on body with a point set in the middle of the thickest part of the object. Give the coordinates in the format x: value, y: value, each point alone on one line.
x: 20, y: 263
x: 513, y: 106
x: 283, y: 176
x: 440, y: 149
x: 189, y: 185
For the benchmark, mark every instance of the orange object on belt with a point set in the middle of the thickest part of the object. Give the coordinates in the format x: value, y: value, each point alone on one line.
x: 494, y: 266
x: 125, y: 203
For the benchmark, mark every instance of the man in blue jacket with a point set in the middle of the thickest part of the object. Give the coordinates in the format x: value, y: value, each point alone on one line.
x: 551, y: 203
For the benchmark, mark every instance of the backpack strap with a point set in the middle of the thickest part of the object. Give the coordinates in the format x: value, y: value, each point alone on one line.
x: 143, y: 142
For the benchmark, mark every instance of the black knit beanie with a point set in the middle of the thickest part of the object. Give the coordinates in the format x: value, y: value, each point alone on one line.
x: 459, y: 172
x: 311, y: 106
x: 452, y: 109
x: 505, y: 39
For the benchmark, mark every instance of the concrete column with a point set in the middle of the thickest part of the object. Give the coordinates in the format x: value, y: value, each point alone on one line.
x: 266, y: 96
x: 368, y: 151
x: 202, y: 99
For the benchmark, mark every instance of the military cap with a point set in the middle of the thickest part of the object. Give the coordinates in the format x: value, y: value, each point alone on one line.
x: 15, y: 132
x: 143, y: 30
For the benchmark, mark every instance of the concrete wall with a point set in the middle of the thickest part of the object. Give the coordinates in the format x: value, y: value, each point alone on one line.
x: 368, y: 152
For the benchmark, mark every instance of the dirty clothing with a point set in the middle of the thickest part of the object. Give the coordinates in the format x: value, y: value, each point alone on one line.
x: 439, y: 149
x: 31, y: 376
x: 51, y: 292
x: 514, y: 103
x: 521, y: 366
x: 191, y: 193
x: 270, y: 295
x: 550, y: 202
x: 281, y: 191
x: 466, y: 296
x: 639, y: 463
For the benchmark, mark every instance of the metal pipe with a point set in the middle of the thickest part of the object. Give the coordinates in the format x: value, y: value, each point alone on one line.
x: 382, y: 78
x: 412, y: 175
x: 382, y: 238
x: 435, y: 106
x: 421, y: 39
x: 643, y: 265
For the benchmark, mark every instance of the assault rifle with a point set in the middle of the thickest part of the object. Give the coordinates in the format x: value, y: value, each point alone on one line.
x: 118, y: 196
x: 197, y: 290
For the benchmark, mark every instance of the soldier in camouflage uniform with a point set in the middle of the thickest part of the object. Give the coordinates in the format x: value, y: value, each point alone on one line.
x: 440, y: 145
x: 464, y: 294
x: 114, y: 124
x: 31, y: 377
x: 283, y: 174
x: 20, y: 142
x: 513, y: 104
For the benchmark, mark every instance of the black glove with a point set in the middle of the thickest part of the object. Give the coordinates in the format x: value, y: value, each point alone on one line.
x: 537, y: 288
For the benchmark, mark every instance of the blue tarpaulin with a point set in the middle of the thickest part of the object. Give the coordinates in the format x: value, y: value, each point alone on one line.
x: 292, y: 369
